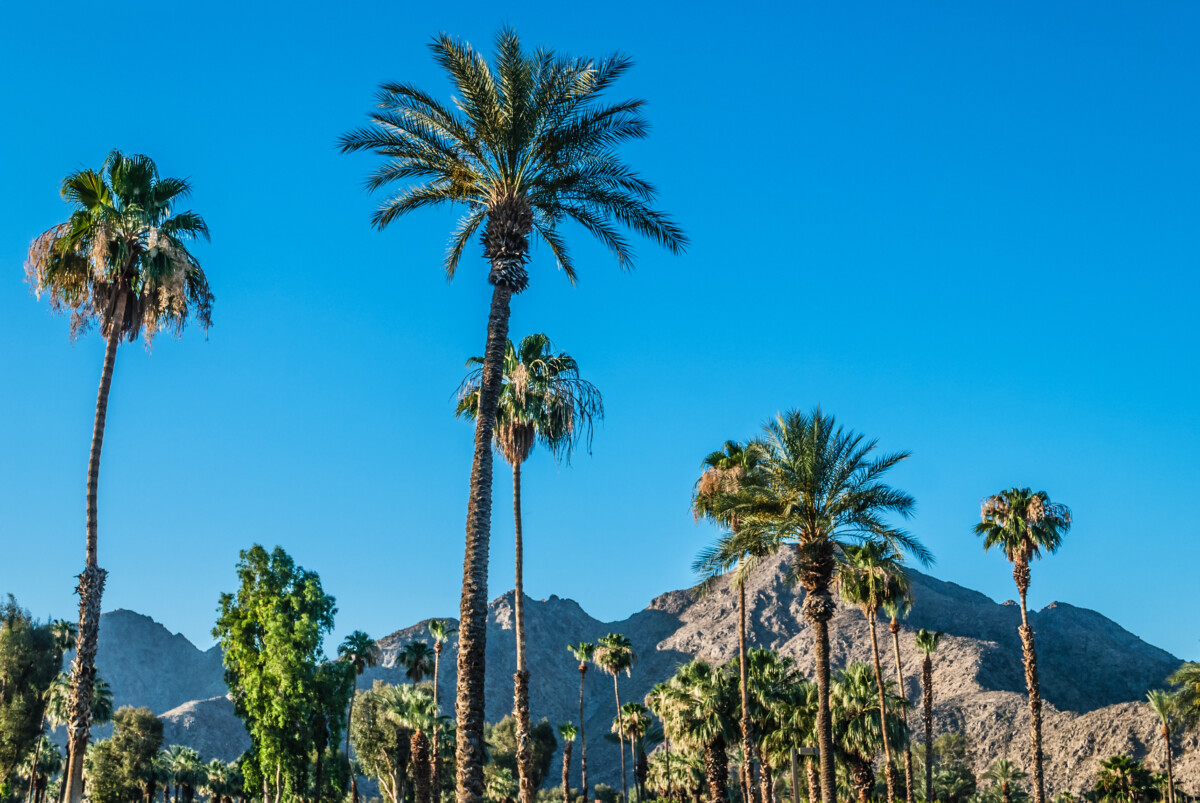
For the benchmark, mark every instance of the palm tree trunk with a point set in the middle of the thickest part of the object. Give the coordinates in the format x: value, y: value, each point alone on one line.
x: 472, y: 627
x: 420, y: 765
x: 818, y: 609
x: 1021, y: 575
x: 582, y: 735
x: 621, y: 740
x: 349, y: 763
x: 748, y: 768
x: 37, y: 751
x: 435, y: 750
x: 894, y: 627
x: 888, y: 773
x: 566, y: 778
x: 716, y: 768
x: 524, y: 756
x: 91, y: 581
x: 1166, y: 732
x: 927, y: 706
x: 814, y: 781
x: 767, y: 781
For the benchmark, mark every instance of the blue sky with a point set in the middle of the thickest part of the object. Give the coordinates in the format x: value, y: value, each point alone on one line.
x: 968, y: 232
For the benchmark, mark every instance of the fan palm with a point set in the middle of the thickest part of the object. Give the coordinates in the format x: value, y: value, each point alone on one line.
x: 582, y: 652
x: 634, y: 724
x: 817, y: 488
x: 120, y: 260
x: 698, y: 707
x: 723, y: 473
x: 1004, y: 774
x: 1024, y: 524
x: 870, y: 575
x: 527, y: 145
x: 1163, y: 705
x: 927, y: 643
x: 1187, y: 694
x: 542, y: 400
x: 440, y: 631
x: 417, y: 658
x: 361, y: 651
x: 858, y: 729
x: 567, y: 732
x: 614, y: 655
x: 780, y: 711
x: 896, y: 609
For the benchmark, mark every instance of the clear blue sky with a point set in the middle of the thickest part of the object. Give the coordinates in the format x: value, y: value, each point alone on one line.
x: 969, y: 232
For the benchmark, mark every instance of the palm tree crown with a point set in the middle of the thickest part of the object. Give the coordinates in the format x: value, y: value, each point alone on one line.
x: 1023, y: 524
x: 417, y: 658
x: 360, y: 650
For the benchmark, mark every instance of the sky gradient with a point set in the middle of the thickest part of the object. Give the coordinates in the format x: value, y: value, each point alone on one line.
x: 969, y: 233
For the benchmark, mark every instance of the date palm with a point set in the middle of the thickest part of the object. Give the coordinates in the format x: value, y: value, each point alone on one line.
x: 542, y: 400
x: 440, y: 631
x: 1023, y: 525
x: 567, y: 733
x: 722, y: 478
x: 896, y: 608
x: 582, y: 652
x: 120, y: 261
x: 361, y: 651
x: 1162, y: 704
x: 418, y: 660
x: 613, y: 655
x: 927, y: 643
x: 818, y: 488
x: 527, y: 145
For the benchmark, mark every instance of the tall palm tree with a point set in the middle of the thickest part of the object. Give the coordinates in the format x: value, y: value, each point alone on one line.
x: 120, y: 260
x: 722, y: 477
x: 542, y: 400
x: 418, y: 660
x: 526, y: 145
x: 440, y: 631
x: 1004, y: 774
x: 896, y: 609
x: 615, y: 655
x: 566, y: 732
x: 698, y: 707
x: 858, y: 729
x: 1024, y: 524
x: 361, y: 651
x: 927, y: 643
x: 819, y: 487
x: 1162, y: 704
x: 582, y: 652
x: 869, y: 575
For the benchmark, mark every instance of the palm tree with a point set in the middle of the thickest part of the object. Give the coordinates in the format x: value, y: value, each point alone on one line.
x: 1187, y: 695
x: 119, y: 260
x: 895, y: 610
x: 858, y: 728
x: 698, y: 707
x: 1126, y: 779
x: 418, y: 660
x: 615, y: 655
x: 870, y: 575
x: 361, y: 651
x: 526, y: 145
x: 440, y: 631
x: 1163, y: 705
x: 1023, y: 524
x: 63, y: 633
x: 927, y: 643
x: 633, y: 724
x: 722, y: 477
x: 566, y: 732
x: 819, y: 487
x: 782, y: 711
x: 1004, y: 773
x: 582, y: 652
x: 542, y: 400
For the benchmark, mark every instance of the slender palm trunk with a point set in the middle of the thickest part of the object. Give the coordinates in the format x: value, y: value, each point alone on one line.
x: 818, y: 609
x: 472, y: 627
x: 927, y: 706
x: 750, y: 780
x: 91, y: 581
x: 37, y: 751
x: 435, y: 751
x: 566, y: 779
x: 349, y: 763
x: 888, y: 773
x: 813, y: 776
x: 526, y: 792
x: 894, y: 628
x: 1166, y: 732
x: 582, y: 735
x: 621, y: 739
x: 1005, y: 793
x: 1021, y: 575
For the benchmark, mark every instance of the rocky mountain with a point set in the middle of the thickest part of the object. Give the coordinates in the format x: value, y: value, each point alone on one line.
x: 1094, y: 673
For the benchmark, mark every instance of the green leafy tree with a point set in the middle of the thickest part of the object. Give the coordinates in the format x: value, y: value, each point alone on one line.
x: 1005, y: 777
x: 819, y: 487
x: 527, y: 145
x: 120, y: 260
x: 613, y: 655
x: 272, y: 635
x: 927, y: 643
x: 542, y: 399
x: 582, y: 652
x: 1023, y: 525
x: 1164, y: 705
x: 360, y: 651
x: 567, y: 733
x: 123, y: 766
x: 29, y: 659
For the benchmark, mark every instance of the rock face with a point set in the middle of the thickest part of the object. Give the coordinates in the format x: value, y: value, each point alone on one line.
x: 1094, y: 674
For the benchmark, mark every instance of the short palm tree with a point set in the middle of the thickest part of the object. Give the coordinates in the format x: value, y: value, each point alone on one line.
x: 698, y: 707
x: 857, y: 727
x: 120, y: 261
x: 614, y: 655
x: 1024, y: 524
x: 722, y: 478
x: 1186, y: 679
x: 527, y: 145
x: 782, y: 711
x: 582, y: 652
x: 817, y: 488
x: 542, y: 400
x: 927, y: 643
x: 440, y: 631
x: 361, y: 651
x: 1004, y: 774
x: 567, y: 733
x: 1163, y: 704
x: 418, y: 660
x: 896, y: 609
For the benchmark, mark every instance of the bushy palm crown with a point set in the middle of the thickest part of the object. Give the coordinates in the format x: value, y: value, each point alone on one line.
x: 409, y: 707
x: 360, y: 650
x: 614, y: 654
x: 782, y: 703
x: 698, y: 704
x: 1164, y: 705
x: 583, y: 652
x: 855, y: 710
x: 1002, y: 771
x: 927, y: 641
x: 1187, y: 695
x: 1023, y: 524
x: 871, y: 575
x: 417, y: 658
x: 526, y: 138
x: 634, y: 721
x: 121, y: 239
x: 567, y: 731
x: 542, y: 399
x: 440, y: 630
x: 715, y: 497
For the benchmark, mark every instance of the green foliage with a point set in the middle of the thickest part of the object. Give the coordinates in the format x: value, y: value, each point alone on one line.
x: 1186, y: 679
x: 499, y: 784
x: 501, y: 740
x: 953, y: 758
x: 272, y: 632
x: 417, y: 658
x: 122, y: 769
x: 385, y: 718
x: 1005, y: 779
x: 606, y: 794
x: 1125, y: 780
x: 1023, y: 524
x: 29, y: 658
